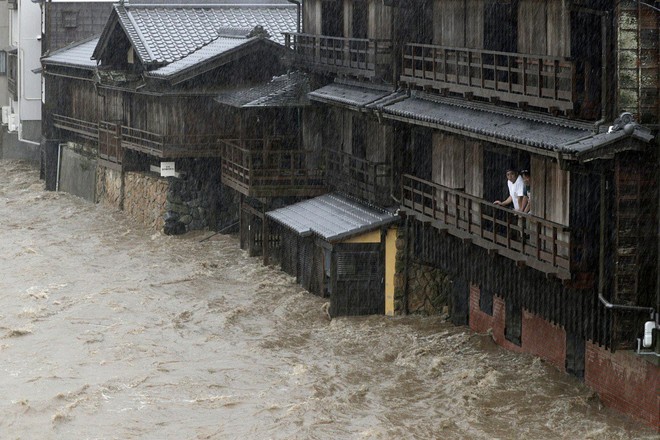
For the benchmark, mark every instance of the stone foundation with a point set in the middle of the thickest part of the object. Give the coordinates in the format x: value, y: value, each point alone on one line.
x: 427, y: 290
x: 194, y: 201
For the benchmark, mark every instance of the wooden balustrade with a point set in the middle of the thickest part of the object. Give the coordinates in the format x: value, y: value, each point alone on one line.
x: 360, y: 57
x: 86, y: 129
x: 359, y: 177
x: 541, y: 81
x: 171, y: 146
x: 534, y: 241
x: 261, y: 172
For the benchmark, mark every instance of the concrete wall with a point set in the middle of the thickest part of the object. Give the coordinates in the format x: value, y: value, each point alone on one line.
x: 77, y: 174
x: 12, y: 148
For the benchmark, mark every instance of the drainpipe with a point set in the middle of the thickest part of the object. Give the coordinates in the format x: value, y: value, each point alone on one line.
x: 59, y: 160
x: 299, y: 6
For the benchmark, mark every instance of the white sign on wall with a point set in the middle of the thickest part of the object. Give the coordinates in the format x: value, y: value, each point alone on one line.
x: 167, y: 169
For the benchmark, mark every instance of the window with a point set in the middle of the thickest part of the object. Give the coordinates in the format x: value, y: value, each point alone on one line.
x: 3, y: 62
x: 70, y: 19
x: 486, y: 301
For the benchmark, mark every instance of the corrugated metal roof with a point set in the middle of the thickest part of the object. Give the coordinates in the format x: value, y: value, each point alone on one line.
x: 348, y: 94
x: 333, y: 217
x: 515, y: 129
x: 166, y: 33
x: 288, y: 90
x: 77, y: 55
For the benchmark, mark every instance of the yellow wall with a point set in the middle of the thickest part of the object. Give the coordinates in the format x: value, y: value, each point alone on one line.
x: 390, y: 258
x: 369, y: 237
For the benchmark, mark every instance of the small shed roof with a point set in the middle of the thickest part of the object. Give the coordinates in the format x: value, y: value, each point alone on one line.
x: 352, y: 95
x: 332, y: 217
x: 288, y: 90
x: 75, y: 55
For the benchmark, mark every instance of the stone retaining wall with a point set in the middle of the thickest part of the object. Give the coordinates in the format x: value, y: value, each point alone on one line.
x: 428, y: 289
x: 145, y: 197
x: 194, y: 201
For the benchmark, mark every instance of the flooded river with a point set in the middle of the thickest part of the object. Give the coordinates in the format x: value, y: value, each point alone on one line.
x: 111, y: 331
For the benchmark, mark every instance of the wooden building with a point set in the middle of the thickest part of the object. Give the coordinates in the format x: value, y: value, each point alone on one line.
x: 144, y: 93
x: 444, y: 96
x: 413, y: 110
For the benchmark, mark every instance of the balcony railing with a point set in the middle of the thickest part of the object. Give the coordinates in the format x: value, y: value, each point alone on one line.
x: 361, y: 178
x: 530, y: 240
x: 358, y: 57
x: 87, y: 129
x: 171, y: 146
x: 254, y: 171
x: 541, y: 81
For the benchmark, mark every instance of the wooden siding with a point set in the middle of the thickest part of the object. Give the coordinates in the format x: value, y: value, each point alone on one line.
x: 578, y: 311
x: 448, y: 160
x: 550, y: 190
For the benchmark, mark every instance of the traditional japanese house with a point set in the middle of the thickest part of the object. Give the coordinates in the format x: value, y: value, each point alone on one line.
x: 267, y: 163
x: 565, y: 89
x: 146, y: 102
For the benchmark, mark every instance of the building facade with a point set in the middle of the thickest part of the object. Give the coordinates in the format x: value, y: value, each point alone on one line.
x: 367, y: 158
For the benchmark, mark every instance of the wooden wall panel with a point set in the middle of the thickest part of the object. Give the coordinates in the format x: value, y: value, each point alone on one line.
x: 559, y: 28
x: 377, y: 138
x: 474, y: 26
x: 312, y: 17
x: 557, y: 193
x: 474, y: 168
x: 538, y: 172
x: 532, y: 26
x: 448, y: 160
x: 380, y: 20
x: 450, y: 24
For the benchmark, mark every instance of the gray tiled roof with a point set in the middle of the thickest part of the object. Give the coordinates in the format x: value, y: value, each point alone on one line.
x: 332, y: 217
x: 348, y: 94
x: 166, y: 33
x: 288, y: 90
x: 76, y: 55
x: 218, y: 47
x: 515, y: 129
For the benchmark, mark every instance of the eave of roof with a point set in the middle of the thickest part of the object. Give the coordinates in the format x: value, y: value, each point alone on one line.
x: 546, y: 137
x: 287, y: 90
x: 76, y: 55
x: 353, y: 96
x: 222, y: 51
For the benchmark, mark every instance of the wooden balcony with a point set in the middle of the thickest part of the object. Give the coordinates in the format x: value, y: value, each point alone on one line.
x: 170, y: 146
x: 527, y: 80
x: 360, y: 178
x: 254, y: 171
x: 528, y: 240
x: 355, y: 57
x: 86, y: 129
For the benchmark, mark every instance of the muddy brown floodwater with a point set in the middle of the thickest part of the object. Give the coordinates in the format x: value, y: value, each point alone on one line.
x: 111, y: 331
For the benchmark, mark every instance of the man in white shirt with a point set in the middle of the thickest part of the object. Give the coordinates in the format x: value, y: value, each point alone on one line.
x: 516, y: 189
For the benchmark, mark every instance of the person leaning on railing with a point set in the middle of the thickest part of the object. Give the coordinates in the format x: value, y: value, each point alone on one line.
x: 516, y: 188
x: 527, y: 192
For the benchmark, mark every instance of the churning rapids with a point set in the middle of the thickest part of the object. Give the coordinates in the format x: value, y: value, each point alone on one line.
x: 111, y: 331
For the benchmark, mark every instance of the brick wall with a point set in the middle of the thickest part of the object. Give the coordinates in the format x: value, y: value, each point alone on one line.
x: 626, y: 382
x: 539, y: 337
